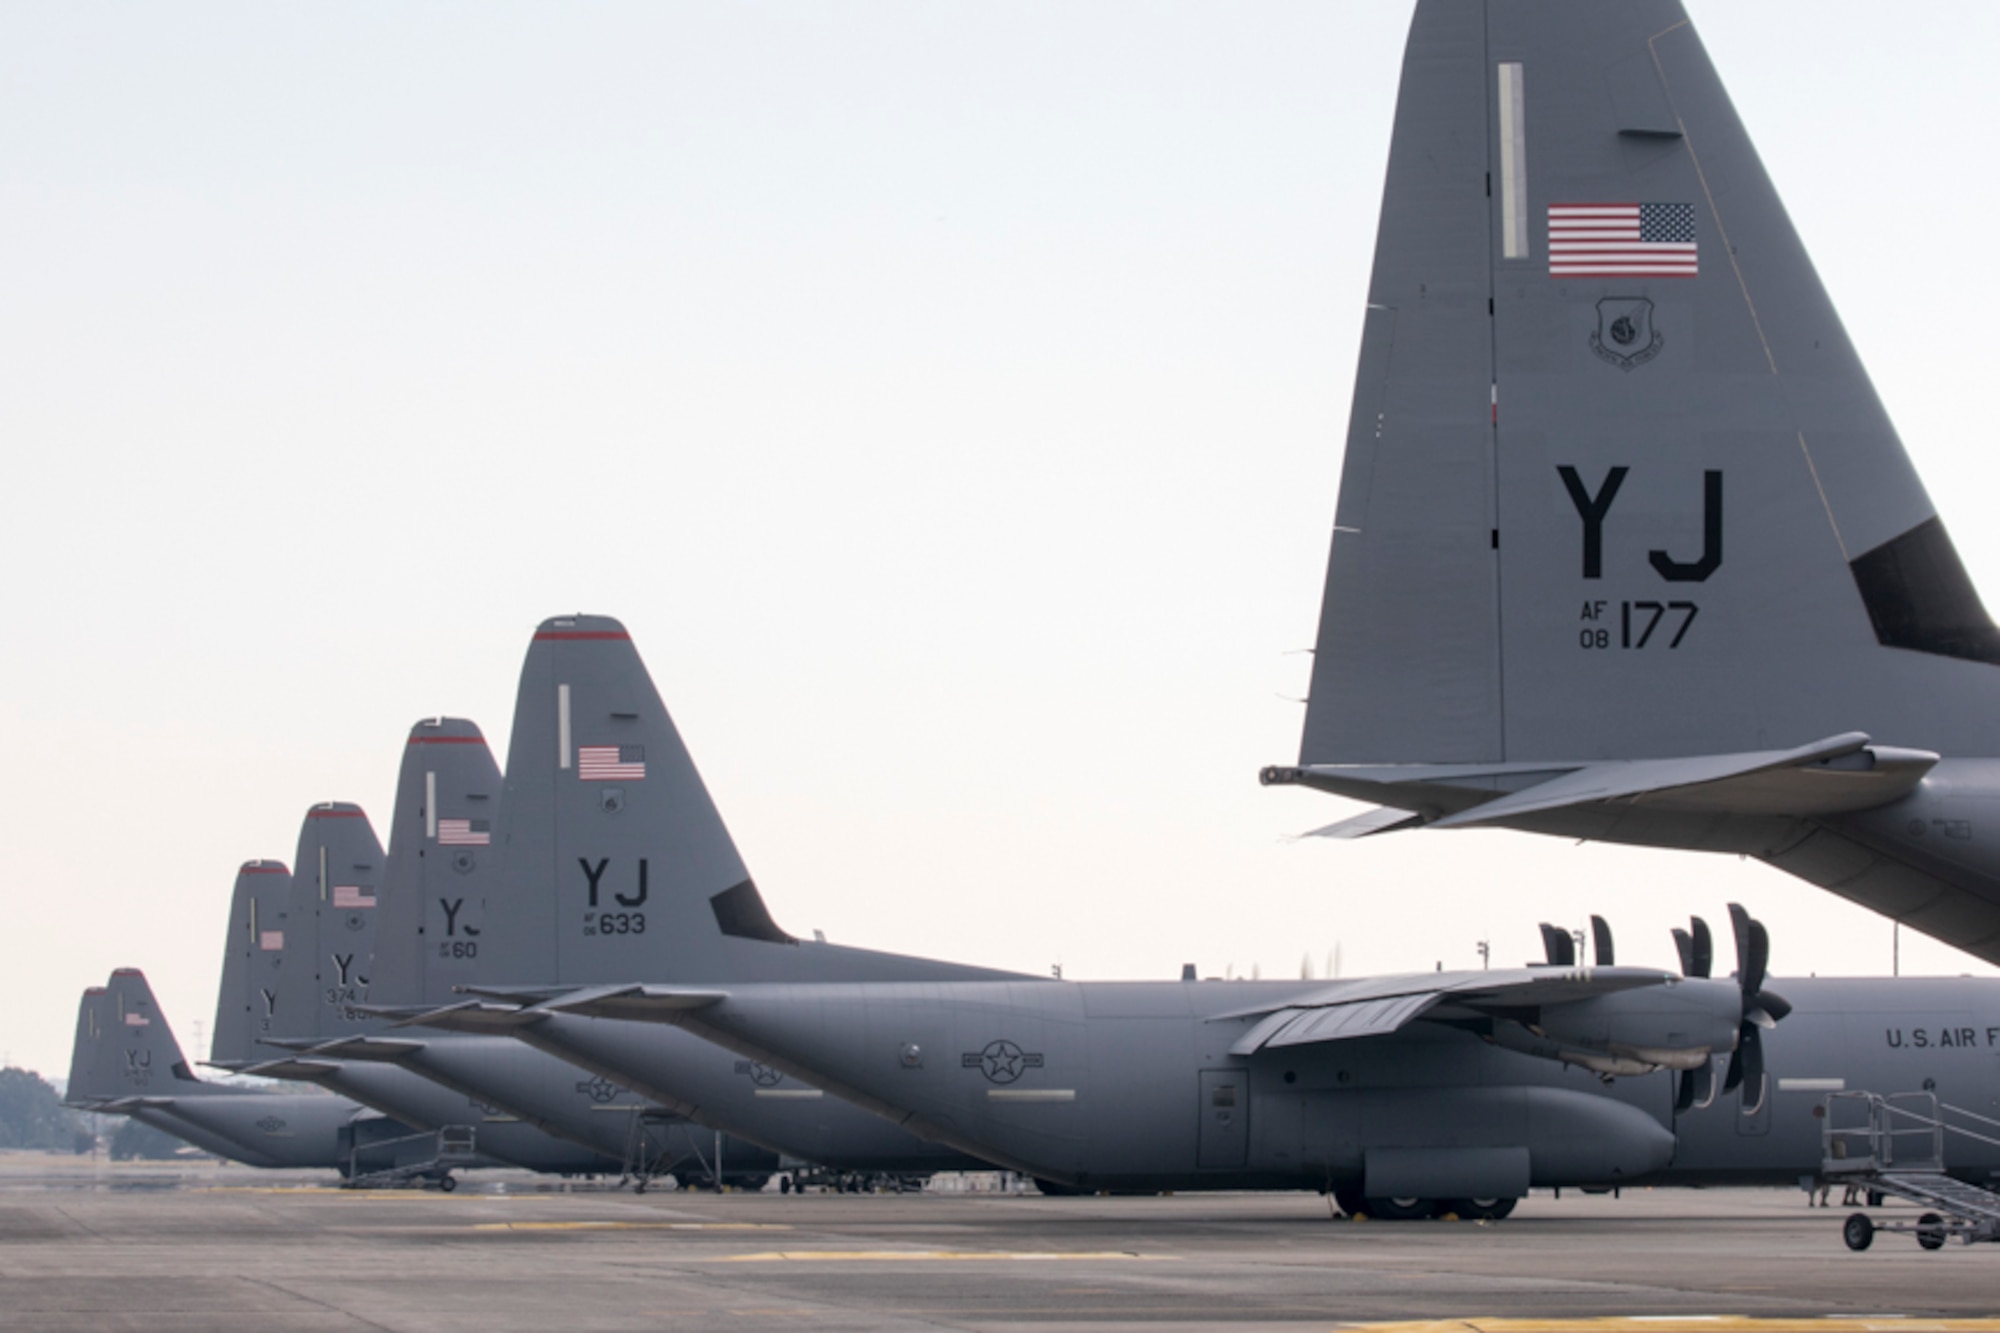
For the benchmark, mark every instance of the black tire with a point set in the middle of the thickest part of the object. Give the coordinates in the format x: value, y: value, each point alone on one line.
x: 1350, y: 1200
x: 753, y: 1184
x: 1930, y: 1231
x: 1478, y: 1210
x: 1400, y: 1210
x: 449, y: 1183
x: 639, y: 1187
x: 784, y: 1184
x: 1056, y: 1190
x: 1858, y: 1231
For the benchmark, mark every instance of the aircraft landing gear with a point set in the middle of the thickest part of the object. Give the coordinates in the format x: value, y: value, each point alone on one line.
x: 1478, y: 1210
x: 1355, y: 1204
x: 446, y: 1184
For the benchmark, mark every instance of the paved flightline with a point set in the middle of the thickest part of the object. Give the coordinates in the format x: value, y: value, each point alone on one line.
x: 172, y: 1247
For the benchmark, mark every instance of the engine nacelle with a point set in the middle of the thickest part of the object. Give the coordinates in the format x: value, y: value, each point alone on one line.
x: 1681, y: 1024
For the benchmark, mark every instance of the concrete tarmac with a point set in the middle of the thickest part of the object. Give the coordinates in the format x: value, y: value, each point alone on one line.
x: 204, y: 1247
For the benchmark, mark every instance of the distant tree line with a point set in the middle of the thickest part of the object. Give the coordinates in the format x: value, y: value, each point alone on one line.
x: 33, y: 1116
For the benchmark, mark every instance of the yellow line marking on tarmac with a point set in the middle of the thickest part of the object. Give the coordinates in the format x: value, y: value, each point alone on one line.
x: 1712, y: 1323
x: 631, y: 1226
x: 335, y: 1192
x: 1687, y: 1323
x: 927, y: 1256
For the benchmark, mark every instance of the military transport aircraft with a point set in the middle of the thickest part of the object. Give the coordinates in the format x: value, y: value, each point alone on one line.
x: 1452, y: 1089
x: 301, y: 970
x: 427, y: 928
x: 1626, y: 547
x: 612, y: 863
x: 1460, y: 1087
x: 127, y: 1062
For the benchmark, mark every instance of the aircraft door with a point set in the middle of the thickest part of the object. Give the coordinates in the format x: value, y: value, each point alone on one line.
x: 1225, y: 1118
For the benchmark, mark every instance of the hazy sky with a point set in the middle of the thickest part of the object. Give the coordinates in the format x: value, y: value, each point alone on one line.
x: 949, y: 397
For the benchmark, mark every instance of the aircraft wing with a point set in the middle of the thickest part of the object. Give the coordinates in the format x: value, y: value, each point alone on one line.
x: 1382, y: 1005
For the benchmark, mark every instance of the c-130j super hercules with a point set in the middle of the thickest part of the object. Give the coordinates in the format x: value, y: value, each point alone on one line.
x: 1626, y: 547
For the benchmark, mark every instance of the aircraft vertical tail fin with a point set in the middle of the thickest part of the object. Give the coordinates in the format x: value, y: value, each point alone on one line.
x: 616, y: 864
x: 1616, y: 483
x: 442, y: 854
x: 137, y: 1051
x: 251, y: 950
x: 329, y: 944
x: 87, y: 1082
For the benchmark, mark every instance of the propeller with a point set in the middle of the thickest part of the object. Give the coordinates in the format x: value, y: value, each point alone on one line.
x: 1696, y: 946
x: 1761, y: 1008
x: 1600, y: 938
x: 1558, y: 946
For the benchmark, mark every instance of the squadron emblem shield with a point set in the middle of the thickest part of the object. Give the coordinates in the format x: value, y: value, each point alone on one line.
x: 1625, y: 335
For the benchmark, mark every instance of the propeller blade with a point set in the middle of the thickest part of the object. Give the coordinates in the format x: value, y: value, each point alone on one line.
x: 1600, y: 938
x: 1760, y: 957
x: 1739, y: 923
x: 1734, y: 1078
x: 1697, y: 1087
x: 1557, y: 946
x: 1752, y: 1050
x: 1684, y: 946
x: 1774, y: 1004
x: 1704, y: 948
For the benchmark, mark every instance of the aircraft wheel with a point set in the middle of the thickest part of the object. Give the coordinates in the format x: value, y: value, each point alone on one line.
x: 1478, y: 1210
x: 1400, y: 1210
x: 753, y: 1184
x: 1055, y: 1189
x: 1858, y: 1231
x: 1350, y: 1200
x: 639, y: 1187
x: 784, y: 1184
x: 449, y: 1183
x: 1930, y: 1231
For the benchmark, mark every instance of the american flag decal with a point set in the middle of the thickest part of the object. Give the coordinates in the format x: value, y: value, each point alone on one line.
x: 138, y: 1021
x: 465, y: 832
x: 270, y: 941
x: 1622, y: 241
x: 347, y: 895
x: 611, y: 763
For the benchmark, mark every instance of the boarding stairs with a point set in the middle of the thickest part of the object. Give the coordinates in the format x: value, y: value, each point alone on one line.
x: 1894, y: 1146
x: 454, y: 1146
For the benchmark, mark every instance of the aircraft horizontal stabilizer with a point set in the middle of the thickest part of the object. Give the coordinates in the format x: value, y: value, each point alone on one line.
x: 1382, y: 819
x: 127, y: 1105
x: 523, y: 995
x: 386, y: 1049
x: 653, y: 1004
x: 470, y: 1016
x: 295, y: 1069
x: 1838, y: 775
x: 1833, y: 776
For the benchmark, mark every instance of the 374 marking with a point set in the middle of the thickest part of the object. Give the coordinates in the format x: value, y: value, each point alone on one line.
x: 1640, y: 624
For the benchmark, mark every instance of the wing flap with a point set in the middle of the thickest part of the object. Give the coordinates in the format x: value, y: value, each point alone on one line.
x: 1339, y: 1022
